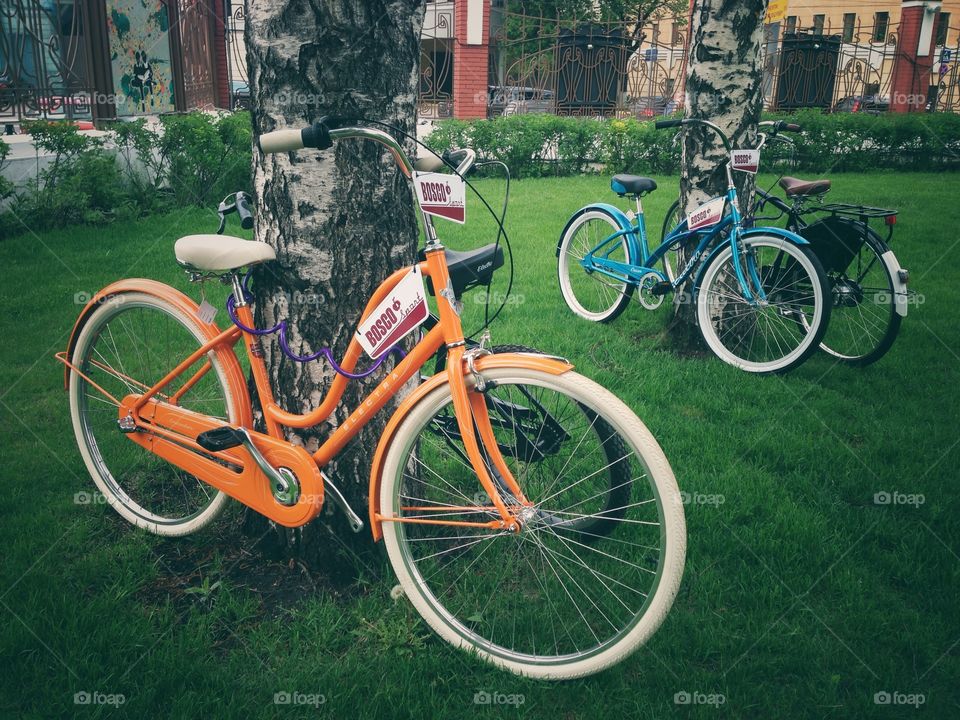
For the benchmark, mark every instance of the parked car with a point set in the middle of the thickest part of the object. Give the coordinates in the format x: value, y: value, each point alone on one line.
x: 239, y: 95
x: 873, y: 104
x: 512, y: 100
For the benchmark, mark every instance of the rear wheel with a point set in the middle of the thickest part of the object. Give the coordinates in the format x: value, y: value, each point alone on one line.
x: 130, y: 342
x: 864, y: 320
x: 589, y: 293
x: 560, y: 598
x: 775, y: 334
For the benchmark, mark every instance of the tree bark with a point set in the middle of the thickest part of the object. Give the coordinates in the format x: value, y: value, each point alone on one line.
x: 341, y: 220
x: 724, y: 85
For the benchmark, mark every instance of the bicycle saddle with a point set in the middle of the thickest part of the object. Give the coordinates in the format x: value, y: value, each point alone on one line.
x: 471, y: 267
x: 795, y: 187
x: 632, y: 185
x: 220, y: 252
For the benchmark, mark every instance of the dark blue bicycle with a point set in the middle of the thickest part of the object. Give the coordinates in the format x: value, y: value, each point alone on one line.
x: 761, y: 295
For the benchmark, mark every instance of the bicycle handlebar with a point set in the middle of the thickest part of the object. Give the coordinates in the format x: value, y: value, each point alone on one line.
x: 322, y: 133
x: 461, y: 160
x: 780, y: 126
x: 664, y: 124
x: 242, y: 201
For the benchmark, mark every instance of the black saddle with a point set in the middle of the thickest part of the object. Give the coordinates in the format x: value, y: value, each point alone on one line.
x: 632, y: 185
x: 471, y: 267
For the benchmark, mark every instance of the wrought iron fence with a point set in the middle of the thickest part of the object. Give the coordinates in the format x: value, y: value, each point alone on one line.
x: 945, y: 81
x: 540, y: 64
x: 44, y: 69
x: 234, y: 24
x: 848, y: 69
x: 436, y: 62
x: 544, y: 64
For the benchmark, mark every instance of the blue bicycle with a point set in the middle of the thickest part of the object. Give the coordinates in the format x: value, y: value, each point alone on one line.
x: 761, y: 295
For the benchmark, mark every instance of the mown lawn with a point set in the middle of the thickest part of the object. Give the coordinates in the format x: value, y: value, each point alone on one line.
x: 803, y: 597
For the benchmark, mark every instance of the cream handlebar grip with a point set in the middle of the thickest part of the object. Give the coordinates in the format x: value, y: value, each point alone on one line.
x: 281, y: 141
x: 429, y: 163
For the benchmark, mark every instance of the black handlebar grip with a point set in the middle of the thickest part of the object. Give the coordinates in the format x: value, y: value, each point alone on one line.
x: 664, y: 124
x: 454, y: 157
x: 242, y: 201
x: 792, y: 127
x: 317, y: 135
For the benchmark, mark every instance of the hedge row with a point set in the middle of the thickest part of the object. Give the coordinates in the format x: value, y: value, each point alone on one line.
x: 196, y: 158
x: 190, y: 159
x: 539, y: 145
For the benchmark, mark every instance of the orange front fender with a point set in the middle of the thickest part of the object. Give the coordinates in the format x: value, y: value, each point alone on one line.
x: 553, y: 366
x: 235, y: 377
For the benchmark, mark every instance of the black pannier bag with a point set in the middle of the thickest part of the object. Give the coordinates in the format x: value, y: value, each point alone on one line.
x: 835, y: 240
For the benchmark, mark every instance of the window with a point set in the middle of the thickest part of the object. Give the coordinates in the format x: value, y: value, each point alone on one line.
x: 818, y: 21
x: 791, y: 26
x: 881, y: 22
x: 676, y: 38
x: 943, y: 27
x: 849, y: 21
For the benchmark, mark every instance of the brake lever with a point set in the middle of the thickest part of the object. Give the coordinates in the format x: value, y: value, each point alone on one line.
x: 224, y: 209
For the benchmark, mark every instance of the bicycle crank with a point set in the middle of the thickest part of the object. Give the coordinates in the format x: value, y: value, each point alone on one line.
x: 648, y: 293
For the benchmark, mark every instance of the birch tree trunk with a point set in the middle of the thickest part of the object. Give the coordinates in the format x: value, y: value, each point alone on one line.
x: 724, y: 85
x: 341, y: 220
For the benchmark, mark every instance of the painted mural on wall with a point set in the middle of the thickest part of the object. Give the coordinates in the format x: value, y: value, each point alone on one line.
x: 140, y: 56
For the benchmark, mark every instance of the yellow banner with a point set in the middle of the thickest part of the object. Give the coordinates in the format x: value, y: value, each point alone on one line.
x: 776, y: 11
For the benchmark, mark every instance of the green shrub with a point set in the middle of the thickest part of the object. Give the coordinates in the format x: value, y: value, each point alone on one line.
x: 193, y: 159
x: 535, y: 145
x: 6, y: 186
x: 81, y: 183
x: 207, y: 156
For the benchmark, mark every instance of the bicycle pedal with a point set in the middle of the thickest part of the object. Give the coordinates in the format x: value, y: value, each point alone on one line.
x: 222, y: 438
x: 661, y: 288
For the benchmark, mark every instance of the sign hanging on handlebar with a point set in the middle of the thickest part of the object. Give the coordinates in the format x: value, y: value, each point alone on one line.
x: 747, y: 161
x: 442, y: 195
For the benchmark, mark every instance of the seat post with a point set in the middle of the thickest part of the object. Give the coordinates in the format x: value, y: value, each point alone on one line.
x: 639, y: 205
x: 238, y: 298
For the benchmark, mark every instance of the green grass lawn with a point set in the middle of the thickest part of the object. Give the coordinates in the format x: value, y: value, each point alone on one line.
x: 802, y: 596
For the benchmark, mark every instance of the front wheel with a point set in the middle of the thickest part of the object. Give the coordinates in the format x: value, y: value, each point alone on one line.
x: 560, y: 598
x: 589, y: 293
x: 779, y: 331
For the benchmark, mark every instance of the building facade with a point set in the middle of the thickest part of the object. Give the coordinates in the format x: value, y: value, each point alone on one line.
x: 105, y: 59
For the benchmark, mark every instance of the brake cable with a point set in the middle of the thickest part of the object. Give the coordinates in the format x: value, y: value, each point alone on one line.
x: 501, y: 232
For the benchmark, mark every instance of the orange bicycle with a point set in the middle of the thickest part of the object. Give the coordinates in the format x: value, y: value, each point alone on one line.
x: 529, y: 515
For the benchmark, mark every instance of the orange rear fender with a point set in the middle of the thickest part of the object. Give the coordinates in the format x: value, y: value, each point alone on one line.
x: 231, y: 366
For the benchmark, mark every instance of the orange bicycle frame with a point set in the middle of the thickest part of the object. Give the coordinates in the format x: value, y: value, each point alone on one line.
x: 170, y: 431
